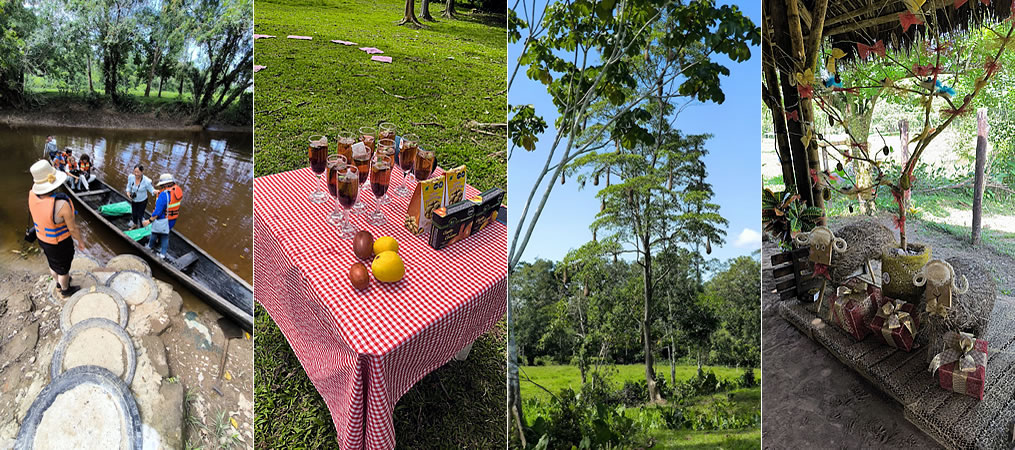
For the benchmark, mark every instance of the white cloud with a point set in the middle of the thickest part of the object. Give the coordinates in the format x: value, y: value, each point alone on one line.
x: 748, y: 238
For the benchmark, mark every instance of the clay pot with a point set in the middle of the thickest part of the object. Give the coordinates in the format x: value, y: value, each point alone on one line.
x: 897, y: 272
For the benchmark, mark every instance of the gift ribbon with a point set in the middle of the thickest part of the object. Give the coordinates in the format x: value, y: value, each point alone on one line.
x: 843, y: 295
x: 894, y: 318
x: 822, y: 270
x: 961, y: 348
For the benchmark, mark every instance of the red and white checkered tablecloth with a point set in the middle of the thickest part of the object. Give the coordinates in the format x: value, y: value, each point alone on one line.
x: 364, y: 350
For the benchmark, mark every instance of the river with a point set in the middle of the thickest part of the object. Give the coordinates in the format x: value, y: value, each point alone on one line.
x: 213, y: 168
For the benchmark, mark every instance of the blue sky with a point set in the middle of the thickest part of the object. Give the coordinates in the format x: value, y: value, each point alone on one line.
x: 734, y: 162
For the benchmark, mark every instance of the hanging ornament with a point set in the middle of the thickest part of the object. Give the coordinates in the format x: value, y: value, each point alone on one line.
x: 959, y: 3
x: 914, y: 6
x: 865, y: 50
x: 908, y: 19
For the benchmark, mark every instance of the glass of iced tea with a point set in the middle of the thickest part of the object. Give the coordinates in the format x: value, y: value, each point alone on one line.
x: 334, y: 165
x: 386, y: 150
x: 344, y: 143
x: 406, y: 155
x: 347, y: 180
x: 423, y: 164
x: 361, y: 159
x: 386, y: 131
x: 380, y: 177
x: 368, y: 135
x: 318, y: 155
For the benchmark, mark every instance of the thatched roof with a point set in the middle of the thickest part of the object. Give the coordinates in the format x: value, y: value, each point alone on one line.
x: 867, y: 21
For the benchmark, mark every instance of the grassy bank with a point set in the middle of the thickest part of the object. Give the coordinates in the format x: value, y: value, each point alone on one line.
x: 51, y: 107
x: 448, y: 74
x: 558, y: 377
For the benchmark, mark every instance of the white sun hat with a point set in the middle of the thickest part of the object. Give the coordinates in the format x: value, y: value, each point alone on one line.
x: 47, y: 179
x: 165, y: 178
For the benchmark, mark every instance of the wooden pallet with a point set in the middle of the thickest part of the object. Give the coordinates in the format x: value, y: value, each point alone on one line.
x: 793, y: 274
x: 954, y: 420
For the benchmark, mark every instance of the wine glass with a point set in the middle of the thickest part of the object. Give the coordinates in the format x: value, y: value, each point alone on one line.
x: 347, y: 180
x: 318, y: 155
x: 423, y: 164
x: 406, y: 154
x: 387, y: 131
x: 334, y: 167
x: 368, y: 136
x: 380, y: 176
x: 344, y: 145
x: 385, y: 149
x: 361, y: 159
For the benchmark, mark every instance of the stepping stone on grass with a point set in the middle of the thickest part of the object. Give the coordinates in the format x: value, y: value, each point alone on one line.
x: 303, y: 38
x: 259, y: 68
x: 339, y: 41
x: 371, y: 50
x: 383, y: 59
x: 262, y: 36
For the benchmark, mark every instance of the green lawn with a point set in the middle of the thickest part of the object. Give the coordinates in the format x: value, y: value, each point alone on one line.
x: 694, y: 440
x: 559, y: 377
x: 451, y: 73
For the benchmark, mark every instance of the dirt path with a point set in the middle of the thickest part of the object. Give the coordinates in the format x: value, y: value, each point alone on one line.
x: 811, y: 399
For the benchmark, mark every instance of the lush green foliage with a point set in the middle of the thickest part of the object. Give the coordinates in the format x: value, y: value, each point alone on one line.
x: 557, y: 321
x: 601, y: 415
x: 783, y: 215
x: 111, y: 50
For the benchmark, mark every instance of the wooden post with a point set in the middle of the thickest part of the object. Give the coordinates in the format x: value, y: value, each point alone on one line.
x: 774, y: 101
x: 981, y: 161
x: 904, y: 137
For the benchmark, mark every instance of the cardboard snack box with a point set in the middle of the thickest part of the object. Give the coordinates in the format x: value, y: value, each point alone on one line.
x: 487, y: 205
x: 451, y: 224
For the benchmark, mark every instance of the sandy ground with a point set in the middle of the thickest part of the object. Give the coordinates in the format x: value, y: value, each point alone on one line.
x: 813, y: 400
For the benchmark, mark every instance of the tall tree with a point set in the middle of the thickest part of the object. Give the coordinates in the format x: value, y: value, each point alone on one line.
x: 16, y: 24
x: 582, y: 52
x: 226, y: 69
x: 424, y: 12
x: 449, y: 9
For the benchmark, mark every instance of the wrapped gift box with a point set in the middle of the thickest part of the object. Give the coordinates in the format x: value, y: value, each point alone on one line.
x: 895, y: 324
x: 851, y: 311
x: 962, y: 366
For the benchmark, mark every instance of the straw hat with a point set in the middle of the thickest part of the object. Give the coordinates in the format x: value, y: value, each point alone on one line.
x: 165, y: 179
x: 47, y: 179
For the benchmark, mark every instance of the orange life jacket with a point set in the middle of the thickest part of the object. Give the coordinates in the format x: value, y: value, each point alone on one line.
x: 46, y: 229
x: 60, y: 161
x: 72, y: 164
x: 175, y: 197
x: 85, y: 166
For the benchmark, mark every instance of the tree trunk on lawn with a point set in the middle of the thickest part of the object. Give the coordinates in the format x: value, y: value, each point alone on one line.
x: 424, y: 12
x: 650, y: 373
x: 156, y: 59
x: 449, y: 9
x: 514, y: 389
x: 410, y: 15
x: 179, y: 91
x: 162, y: 81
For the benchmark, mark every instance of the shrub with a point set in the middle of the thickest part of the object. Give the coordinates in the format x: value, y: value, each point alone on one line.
x: 543, y: 360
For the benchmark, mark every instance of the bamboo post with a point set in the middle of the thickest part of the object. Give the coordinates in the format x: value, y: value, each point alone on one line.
x: 981, y: 161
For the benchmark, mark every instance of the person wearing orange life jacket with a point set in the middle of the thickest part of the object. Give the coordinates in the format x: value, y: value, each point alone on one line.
x: 167, y: 210
x: 55, y: 228
x: 71, y: 168
x: 84, y: 175
x: 60, y: 160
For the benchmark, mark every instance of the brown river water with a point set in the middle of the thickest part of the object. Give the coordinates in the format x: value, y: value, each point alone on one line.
x: 213, y: 168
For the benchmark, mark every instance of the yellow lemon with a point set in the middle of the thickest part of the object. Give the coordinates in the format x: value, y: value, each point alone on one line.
x: 388, y: 267
x: 385, y: 244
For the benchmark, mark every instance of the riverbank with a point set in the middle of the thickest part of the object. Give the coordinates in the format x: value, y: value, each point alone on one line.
x: 178, y: 350
x: 135, y: 113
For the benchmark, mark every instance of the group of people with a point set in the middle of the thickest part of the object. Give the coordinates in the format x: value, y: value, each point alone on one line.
x: 79, y: 173
x: 53, y: 213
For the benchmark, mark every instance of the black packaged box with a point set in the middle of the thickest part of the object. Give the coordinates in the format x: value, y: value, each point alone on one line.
x: 487, y: 205
x: 451, y: 224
